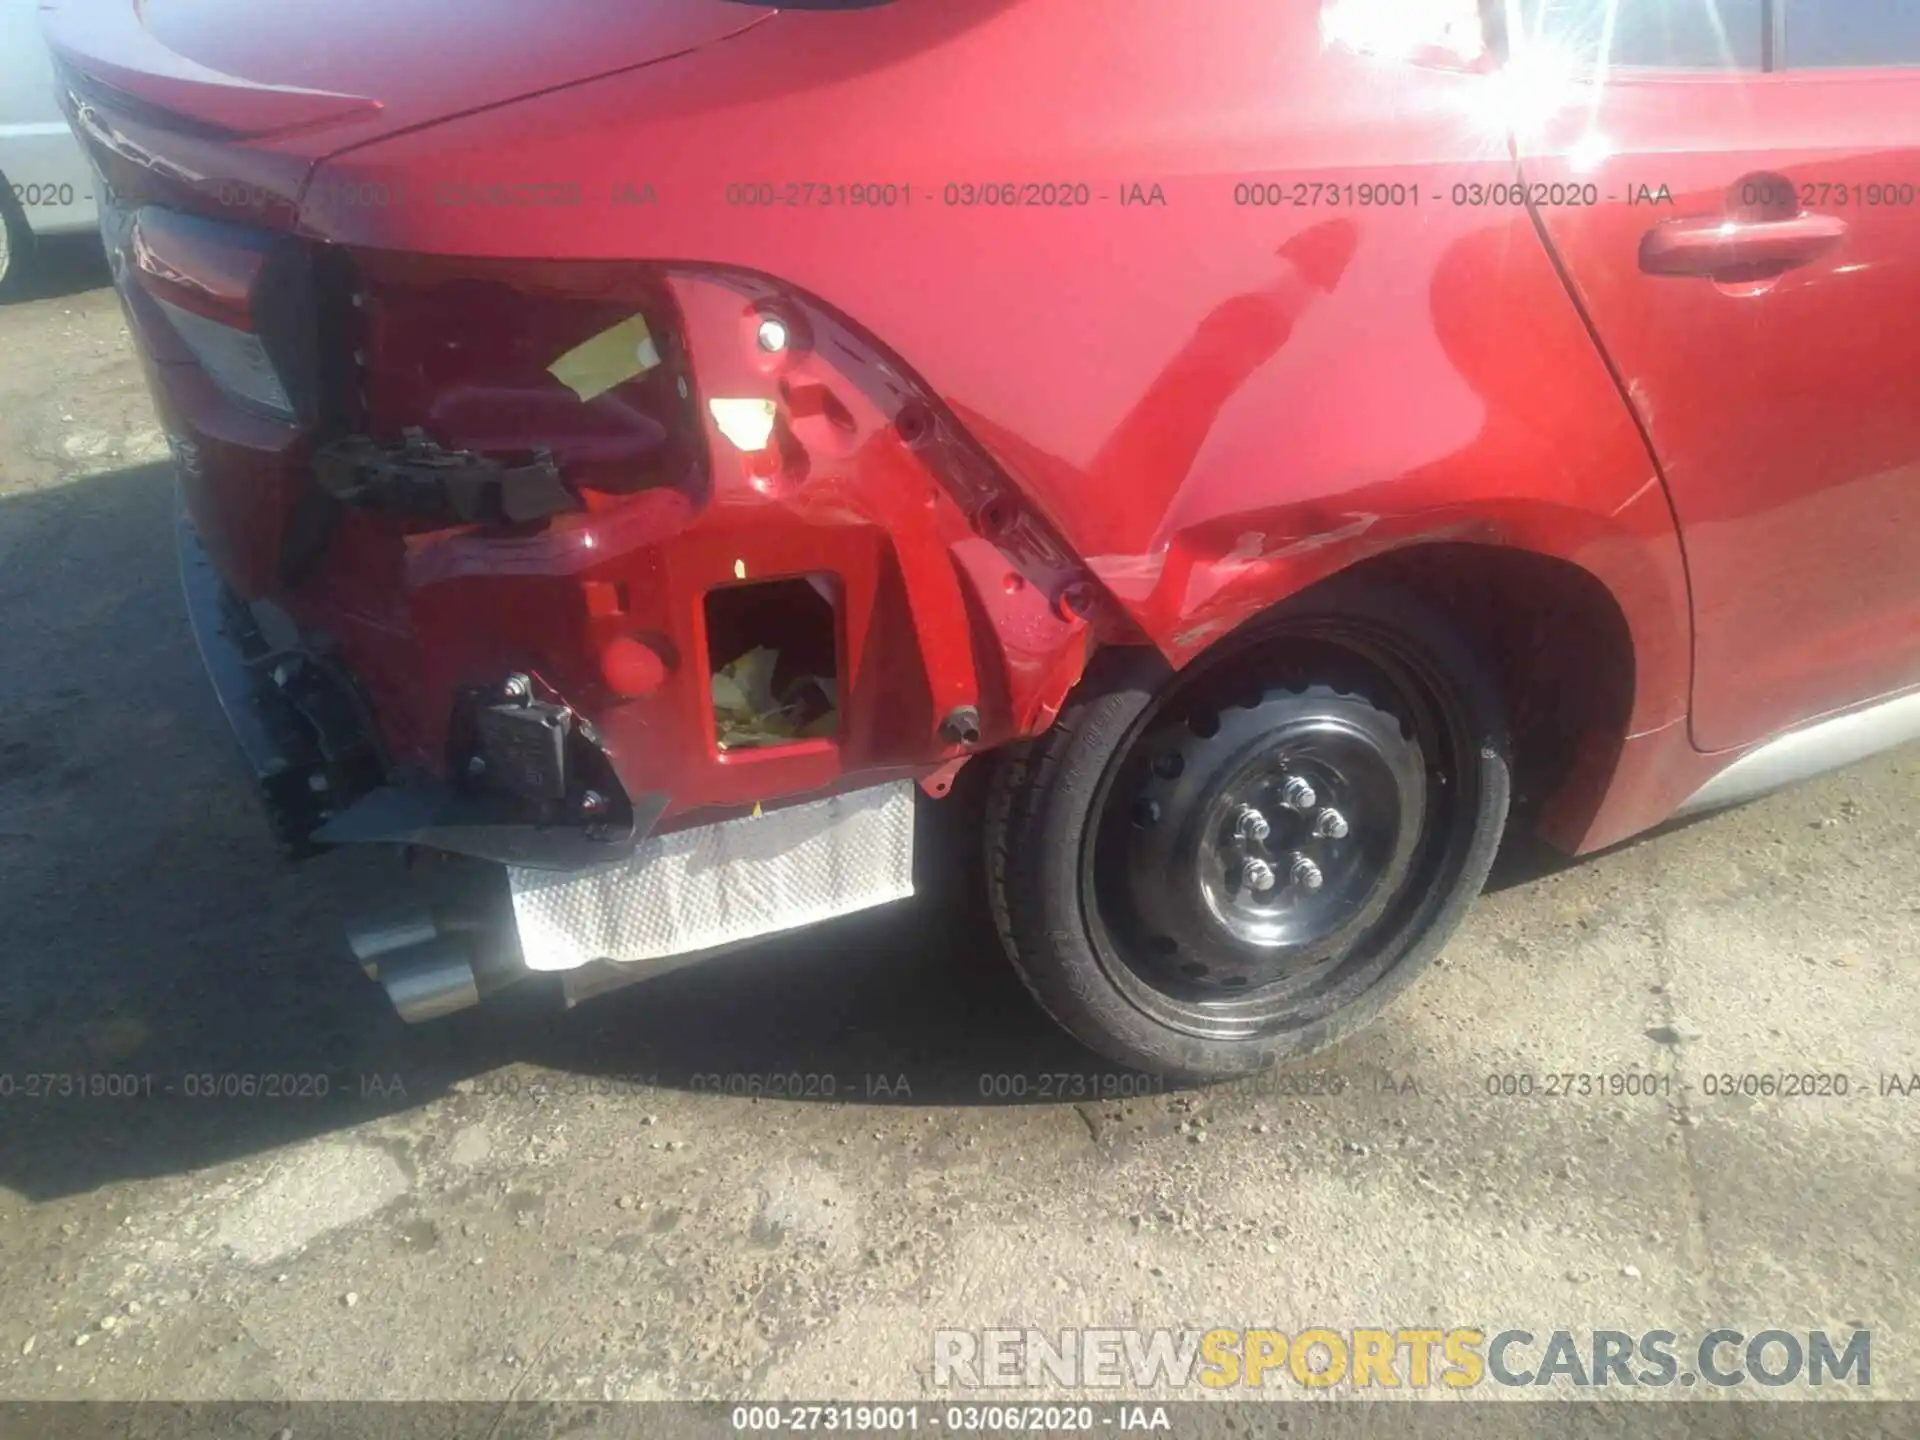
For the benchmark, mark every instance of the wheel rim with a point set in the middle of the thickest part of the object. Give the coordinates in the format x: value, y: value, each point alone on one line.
x: 1295, y: 843
x: 1249, y: 840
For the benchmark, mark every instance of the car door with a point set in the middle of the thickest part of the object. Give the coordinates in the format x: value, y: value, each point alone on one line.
x: 1738, y: 211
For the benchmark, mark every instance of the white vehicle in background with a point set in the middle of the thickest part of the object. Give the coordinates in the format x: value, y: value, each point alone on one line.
x: 46, y: 185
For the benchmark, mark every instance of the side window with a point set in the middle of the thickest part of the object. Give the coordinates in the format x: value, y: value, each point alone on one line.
x: 1830, y: 33
x: 1668, y: 34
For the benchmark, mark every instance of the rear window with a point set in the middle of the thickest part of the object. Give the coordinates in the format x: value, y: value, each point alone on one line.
x: 1652, y: 34
x: 1823, y: 34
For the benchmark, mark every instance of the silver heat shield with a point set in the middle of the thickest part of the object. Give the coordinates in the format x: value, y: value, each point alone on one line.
x: 715, y: 886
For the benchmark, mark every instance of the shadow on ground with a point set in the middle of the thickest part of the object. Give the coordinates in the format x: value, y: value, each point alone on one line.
x: 158, y: 944
x: 67, y: 265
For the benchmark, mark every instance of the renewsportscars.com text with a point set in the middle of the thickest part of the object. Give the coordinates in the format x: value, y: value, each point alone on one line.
x: 1412, y: 1357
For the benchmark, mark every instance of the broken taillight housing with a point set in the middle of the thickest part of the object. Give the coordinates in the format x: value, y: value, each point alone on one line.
x: 582, y: 360
x: 240, y: 301
x: 234, y: 359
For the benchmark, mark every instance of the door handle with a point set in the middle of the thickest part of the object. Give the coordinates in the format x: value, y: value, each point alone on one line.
x: 1718, y: 247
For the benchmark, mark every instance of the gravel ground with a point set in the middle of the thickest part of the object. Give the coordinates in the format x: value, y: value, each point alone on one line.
x: 522, y: 1202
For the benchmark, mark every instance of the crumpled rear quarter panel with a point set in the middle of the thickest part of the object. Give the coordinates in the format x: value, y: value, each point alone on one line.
x: 1215, y: 404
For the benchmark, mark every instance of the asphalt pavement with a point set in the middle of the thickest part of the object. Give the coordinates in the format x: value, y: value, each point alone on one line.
x: 227, y: 1171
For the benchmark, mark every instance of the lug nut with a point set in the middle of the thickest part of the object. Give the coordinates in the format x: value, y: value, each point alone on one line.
x: 1297, y: 793
x: 1257, y: 875
x: 1250, y: 824
x: 593, y: 802
x: 517, y: 687
x: 1305, y: 872
x: 1331, y: 825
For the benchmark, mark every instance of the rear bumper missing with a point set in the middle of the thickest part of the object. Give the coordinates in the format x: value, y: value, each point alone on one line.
x: 311, y: 745
x: 551, y: 618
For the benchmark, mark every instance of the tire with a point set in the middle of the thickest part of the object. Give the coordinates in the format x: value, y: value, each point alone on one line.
x: 1124, y: 862
x: 18, y: 251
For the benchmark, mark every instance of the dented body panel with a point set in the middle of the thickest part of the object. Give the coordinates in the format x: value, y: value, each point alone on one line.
x: 1014, y: 431
x: 1238, y: 401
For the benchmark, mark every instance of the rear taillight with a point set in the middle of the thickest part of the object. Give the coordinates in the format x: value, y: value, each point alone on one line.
x: 1443, y: 32
x: 580, y: 360
x: 217, y: 285
x: 234, y: 360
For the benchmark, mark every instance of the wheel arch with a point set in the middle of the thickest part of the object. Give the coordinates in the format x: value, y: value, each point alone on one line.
x: 1591, y: 649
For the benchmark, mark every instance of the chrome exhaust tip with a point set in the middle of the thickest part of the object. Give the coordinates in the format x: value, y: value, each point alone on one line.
x: 428, y: 980
x: 380, y: 935
x: 432, y: 964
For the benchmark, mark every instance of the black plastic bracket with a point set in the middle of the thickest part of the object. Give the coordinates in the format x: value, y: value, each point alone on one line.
x: 419, y: 477
x: 531, y: 785
x: 298, y: 718
x: 487, y: 824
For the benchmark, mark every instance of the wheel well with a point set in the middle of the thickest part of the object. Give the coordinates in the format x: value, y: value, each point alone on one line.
x: 1559, y: 646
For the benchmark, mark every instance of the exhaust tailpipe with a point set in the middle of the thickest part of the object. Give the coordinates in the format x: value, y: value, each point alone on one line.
x: 382, y: 935
x: 431, y: 979
x: 430, y: 968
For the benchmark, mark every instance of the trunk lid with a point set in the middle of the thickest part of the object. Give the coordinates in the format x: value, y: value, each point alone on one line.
x: 323, y: 75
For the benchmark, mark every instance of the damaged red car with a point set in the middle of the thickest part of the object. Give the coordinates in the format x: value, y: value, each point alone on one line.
x: 639, y: 445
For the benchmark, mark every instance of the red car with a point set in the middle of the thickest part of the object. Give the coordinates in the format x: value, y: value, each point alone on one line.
x: 636, y: 443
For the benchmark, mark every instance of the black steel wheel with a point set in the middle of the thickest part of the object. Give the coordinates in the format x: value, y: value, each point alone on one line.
x: 1201, y: 873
